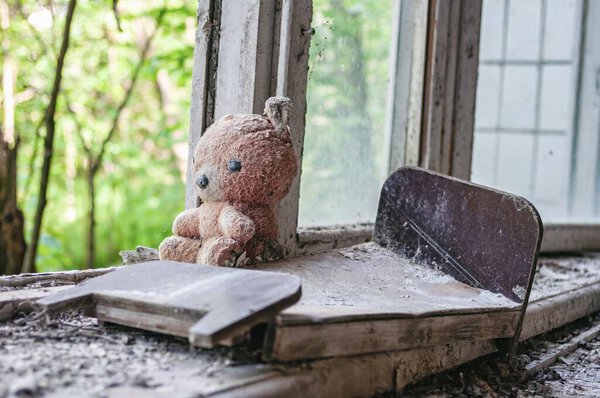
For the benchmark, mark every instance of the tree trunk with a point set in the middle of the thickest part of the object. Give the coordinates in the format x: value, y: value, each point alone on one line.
x: 91, y: 232
x: 50, y: 123
x: 12, y: 239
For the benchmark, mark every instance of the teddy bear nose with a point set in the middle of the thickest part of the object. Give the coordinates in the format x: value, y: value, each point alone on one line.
x: 202, y: 181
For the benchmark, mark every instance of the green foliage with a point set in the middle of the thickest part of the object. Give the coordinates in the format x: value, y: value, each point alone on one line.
x: 139, y: 187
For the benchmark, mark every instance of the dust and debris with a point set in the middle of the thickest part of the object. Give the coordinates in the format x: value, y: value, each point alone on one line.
x: 520, y: 292
x: 74, y: 355
x: 560, y: 273
x: 361, y: 252
x: 574, y: 375
x: 367, y: 280
x: 141, y: 254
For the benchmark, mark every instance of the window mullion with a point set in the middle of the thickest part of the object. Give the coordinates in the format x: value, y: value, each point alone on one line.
x: 405, y: 97
x: 450, y: 86
x: 203, y: 79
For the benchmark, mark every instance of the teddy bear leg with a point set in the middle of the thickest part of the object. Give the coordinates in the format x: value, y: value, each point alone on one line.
x: 219, y: 251
x: 177, y: 248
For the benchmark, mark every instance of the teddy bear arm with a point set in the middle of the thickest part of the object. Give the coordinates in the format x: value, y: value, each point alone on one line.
x: 236, y: 225
x: 187, y: 224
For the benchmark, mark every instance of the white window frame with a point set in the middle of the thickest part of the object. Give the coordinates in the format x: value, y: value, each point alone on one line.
x: 431, y: 101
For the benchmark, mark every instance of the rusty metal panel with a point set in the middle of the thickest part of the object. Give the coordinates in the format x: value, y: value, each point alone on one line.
x: 483, y: 237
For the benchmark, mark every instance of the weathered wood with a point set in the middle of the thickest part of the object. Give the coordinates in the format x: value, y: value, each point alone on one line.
x: 570, y: 238
x: 109, y: 312
x: 551, y: 312
x: 405, y: 96
x: 12, y: 301
x: 351, y: 338
x: 368, y: 282
x: 417, y: 364
x: 450, y: 86
x: 245, y: 55
x: 465, y: 89
x: 315, y: 240
x: 203, y: 83
x: 560, y: 351
x: 369, y: 374
x: 297, y: 70
x: 362, y: 375
x: 217, y: 301
x: 378, y: 300
x: 62, y: 276
x: 552, y: 356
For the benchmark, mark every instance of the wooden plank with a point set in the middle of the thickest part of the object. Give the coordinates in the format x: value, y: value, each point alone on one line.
x: 221, y: 301
x: 466, y: 89
x: 563, y: 238
x: 439, y: 82
x: 379, y: 300
x: 12, y: 301
x: 297, y: 70
x: 551, y: 312
x: 362, y: 375
x: 143, y: 320
x: 405, y: 96
x: 245, y: 57
x: 418, y: 364
x: 368, y: 282
x: 351, y: 338
x: 550, y: 357
x: 203, y: 83
x: 315, y: 240
x: 76, y: 276
x: 450, y: 87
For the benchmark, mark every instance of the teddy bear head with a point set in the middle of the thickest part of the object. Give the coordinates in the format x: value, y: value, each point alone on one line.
x: 247, y: 158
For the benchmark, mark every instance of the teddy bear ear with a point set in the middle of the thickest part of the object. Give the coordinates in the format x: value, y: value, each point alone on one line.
x: 226, y: 117
x: 278, y: 110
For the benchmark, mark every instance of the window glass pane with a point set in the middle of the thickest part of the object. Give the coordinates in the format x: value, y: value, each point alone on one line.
x: 343, y: 161
x: 538, y: 105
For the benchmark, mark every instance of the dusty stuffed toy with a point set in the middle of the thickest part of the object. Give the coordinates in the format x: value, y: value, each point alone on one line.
x: 243, y: 165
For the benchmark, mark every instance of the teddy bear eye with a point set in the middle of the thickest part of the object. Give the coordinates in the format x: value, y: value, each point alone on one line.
x: 234, y: 165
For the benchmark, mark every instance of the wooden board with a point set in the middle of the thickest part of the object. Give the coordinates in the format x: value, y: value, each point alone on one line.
x: 56, y: 278
x: 213, y: 303
x: 12, y: 301
x: 368, y: 282
x: 351, y: 338
x: 371, y: 374
x: 380, y: 301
